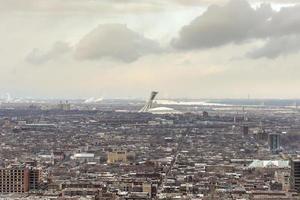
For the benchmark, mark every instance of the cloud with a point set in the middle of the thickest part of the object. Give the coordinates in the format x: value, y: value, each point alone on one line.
x: 285, y: 22
x: 222, y: 2
x: 234, y: 22
x: 276, y: 47
x: 238, y: 22
x: 37, y: 56
x: 114, y: 41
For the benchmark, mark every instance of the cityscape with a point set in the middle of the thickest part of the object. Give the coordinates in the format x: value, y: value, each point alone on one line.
x: 126, y: 150
x: 149, y: 100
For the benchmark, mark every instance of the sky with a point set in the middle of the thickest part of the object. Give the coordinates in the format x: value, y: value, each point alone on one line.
x: 127, y: 48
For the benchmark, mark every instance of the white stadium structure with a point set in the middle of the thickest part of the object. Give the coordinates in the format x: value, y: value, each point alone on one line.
x: 158, y: 110
x: 163, y: 110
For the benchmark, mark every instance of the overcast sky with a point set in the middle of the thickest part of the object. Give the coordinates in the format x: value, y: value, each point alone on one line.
x: 126, y: 48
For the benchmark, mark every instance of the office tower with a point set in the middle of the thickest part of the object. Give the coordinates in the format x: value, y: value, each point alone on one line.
x: 262, y: 135
x: 14, y: 179
x: 64, y: 106
x: 245, y: 130
x: 117, y: 156
x: 205, y: 114
x: 34, y: 179
x: 274, y: 142
x: 245, y: 118
x: 295, y: 175
x: 19, y: 179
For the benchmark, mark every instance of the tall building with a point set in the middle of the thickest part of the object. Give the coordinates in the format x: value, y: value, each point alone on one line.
x: 34, y: 179
x: 117, y: 156
x: 295, y: 175
x: 64, y: 106
x: 262, y: 135
x: 245, y: 130
x: 19, y: 179
x: 149, y: 103
x: 274, y: 142
x: 14, y: 179
x: 148, y: 107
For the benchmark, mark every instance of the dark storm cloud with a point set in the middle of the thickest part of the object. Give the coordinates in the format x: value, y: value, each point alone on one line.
x: 37, y: 56
x: 114, y: 41
x: 238, y: 22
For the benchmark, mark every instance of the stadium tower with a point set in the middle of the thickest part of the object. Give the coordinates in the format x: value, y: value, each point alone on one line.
x: 149, y: 103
